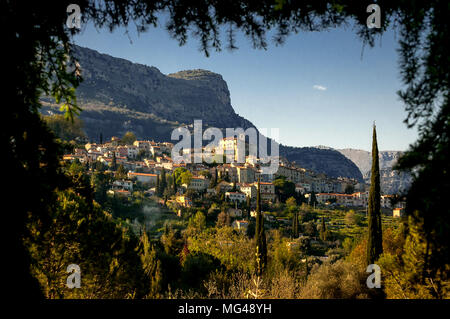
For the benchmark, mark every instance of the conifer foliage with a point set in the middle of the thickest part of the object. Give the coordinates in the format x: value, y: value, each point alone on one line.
x: 295, y: 224
x: 260, y: 235
x: 374, y: 244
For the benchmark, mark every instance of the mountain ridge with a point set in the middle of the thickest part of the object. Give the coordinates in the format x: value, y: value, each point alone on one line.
x: 391, y: 181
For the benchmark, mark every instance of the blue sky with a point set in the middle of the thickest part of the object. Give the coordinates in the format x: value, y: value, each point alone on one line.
x: 317, y: 88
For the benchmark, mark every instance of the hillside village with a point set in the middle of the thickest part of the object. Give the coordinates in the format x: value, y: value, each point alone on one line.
x: 143, y: 164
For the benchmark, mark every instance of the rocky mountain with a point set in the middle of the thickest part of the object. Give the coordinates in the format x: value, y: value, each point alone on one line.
x: 328, y: 161
x: 118, y: 96
x: 391, y: 181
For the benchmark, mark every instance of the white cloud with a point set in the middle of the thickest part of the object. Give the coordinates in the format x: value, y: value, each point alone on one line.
x: 319, y: 87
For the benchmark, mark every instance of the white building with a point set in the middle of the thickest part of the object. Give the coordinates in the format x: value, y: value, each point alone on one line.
x: 245, y: 174
x: 267, y: 191
x: 198, y: 183
x: 248, y: 189
x: 235, y: 196
x: 398, y: 212
x: 144, y: 178
x: 123, y: 184
x: 292, y: 174
x: 142, y: 145
x: 132, y: 151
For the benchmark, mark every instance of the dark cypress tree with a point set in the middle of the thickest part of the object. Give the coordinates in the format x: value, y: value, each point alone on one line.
x: 101, y: 138
x: 260, y: 235
x: 323, y: 230
x: 313, y: 199
x: 214, y: 179
x: 162, y: 182
x: 114, y: 162
x: 249, y: 206
x: 157, y: 189
x: 295, y: 224
x: 174, y: 184
x: 374, y: 243
x: 121, y: 172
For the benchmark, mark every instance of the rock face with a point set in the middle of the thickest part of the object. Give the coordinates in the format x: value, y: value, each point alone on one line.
x: 322, y: 160
x: 179, y: 97
x: 118, y: 96
x: 391, y: 181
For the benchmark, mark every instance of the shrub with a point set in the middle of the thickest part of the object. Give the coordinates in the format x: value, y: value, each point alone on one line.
x: 341, y: 280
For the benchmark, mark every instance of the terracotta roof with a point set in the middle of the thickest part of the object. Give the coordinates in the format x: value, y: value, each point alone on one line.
x: 336, y: 194
x: 121, y: 191
x: 142, y: 174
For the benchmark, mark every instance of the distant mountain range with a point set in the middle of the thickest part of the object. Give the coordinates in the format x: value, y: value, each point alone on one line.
x: 391, y: 181
x: 118, y: 96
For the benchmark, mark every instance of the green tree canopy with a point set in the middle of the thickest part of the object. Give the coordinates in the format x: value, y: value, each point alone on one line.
x: 65, y: 130
x: 352, y: 218
x: 185, y: 178
x: 223, y: 219
x: 284, y: 188
x: 197, y: 222
x: 313, y: 199
x: 291, y: 203
x: 182, y: 176
x: 121, y: 172
x: 128, y: 138
x: 76, y: 234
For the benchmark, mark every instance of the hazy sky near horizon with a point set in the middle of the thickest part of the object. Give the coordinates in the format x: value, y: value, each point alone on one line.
x: 320, y: 88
